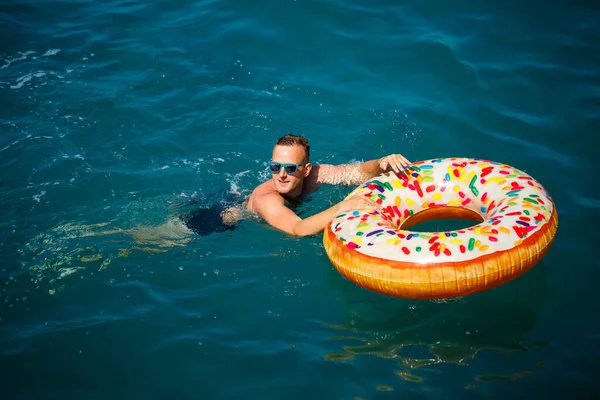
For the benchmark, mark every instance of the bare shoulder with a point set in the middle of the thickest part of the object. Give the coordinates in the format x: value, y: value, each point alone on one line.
x: 270, y: 205
x: 343, y: 174
x: 263, y: 192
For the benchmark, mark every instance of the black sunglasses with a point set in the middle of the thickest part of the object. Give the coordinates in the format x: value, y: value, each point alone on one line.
x: 289, y: 168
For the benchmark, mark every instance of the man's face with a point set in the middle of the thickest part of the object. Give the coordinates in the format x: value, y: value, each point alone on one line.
x: 289, y: 184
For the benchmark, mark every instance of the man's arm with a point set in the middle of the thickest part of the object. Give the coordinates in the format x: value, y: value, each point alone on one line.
x: 355, y: 174
x: 272, y: 208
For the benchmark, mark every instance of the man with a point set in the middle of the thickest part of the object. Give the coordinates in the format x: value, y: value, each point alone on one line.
x: 293, y: 177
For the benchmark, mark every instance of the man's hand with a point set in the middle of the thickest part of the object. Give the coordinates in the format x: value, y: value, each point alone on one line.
x: 397, y: 161
x: 358, y: 202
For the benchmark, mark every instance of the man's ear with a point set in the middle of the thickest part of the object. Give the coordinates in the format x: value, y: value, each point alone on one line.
x: 307, y: 169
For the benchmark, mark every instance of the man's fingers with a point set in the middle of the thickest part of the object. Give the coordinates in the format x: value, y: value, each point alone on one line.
x: 372, y: 204
x: 403, y: 161
x: 400, y: 163
x: 368, y: 201
x: 395, y: 161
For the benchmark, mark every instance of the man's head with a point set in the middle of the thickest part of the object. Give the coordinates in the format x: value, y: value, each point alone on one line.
x: 289, y: 164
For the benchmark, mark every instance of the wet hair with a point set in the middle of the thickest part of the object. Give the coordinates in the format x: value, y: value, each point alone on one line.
x: 295, y: 140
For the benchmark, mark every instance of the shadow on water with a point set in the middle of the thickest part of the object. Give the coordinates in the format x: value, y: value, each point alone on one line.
x: 420, y: 334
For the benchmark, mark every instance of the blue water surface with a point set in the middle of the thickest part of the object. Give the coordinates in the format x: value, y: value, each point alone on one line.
x: 118, y: 118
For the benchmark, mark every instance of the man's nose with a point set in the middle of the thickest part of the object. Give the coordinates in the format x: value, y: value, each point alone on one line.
x: 282, y: 172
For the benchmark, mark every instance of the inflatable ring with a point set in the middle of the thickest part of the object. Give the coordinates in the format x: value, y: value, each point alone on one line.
x: 375, y: 250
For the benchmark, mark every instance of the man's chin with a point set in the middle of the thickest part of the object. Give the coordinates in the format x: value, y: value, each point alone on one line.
x: 283, y: 189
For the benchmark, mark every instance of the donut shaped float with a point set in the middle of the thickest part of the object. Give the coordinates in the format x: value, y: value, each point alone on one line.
x: 517, y: 222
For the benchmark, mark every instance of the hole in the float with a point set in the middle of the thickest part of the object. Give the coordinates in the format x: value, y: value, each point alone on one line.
x: 442, y: 219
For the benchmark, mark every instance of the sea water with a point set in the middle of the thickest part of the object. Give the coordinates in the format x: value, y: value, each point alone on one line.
x: 119, y: 118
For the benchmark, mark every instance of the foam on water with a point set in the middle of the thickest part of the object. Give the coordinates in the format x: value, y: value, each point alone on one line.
x: 15, y: 59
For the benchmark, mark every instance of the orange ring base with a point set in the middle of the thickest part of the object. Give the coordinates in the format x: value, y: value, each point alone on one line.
x: 439, y: 280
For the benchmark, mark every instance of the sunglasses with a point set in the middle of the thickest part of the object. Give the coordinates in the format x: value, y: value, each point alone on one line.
x: 289, y: 168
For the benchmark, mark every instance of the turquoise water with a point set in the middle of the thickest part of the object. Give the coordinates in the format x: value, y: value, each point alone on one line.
x: 121, y: 116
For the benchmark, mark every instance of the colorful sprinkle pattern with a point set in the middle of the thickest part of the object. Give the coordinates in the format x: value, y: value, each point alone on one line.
x: 512, y: 204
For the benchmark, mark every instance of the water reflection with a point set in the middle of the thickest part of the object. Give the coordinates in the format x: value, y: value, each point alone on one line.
x: 423, y: 336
